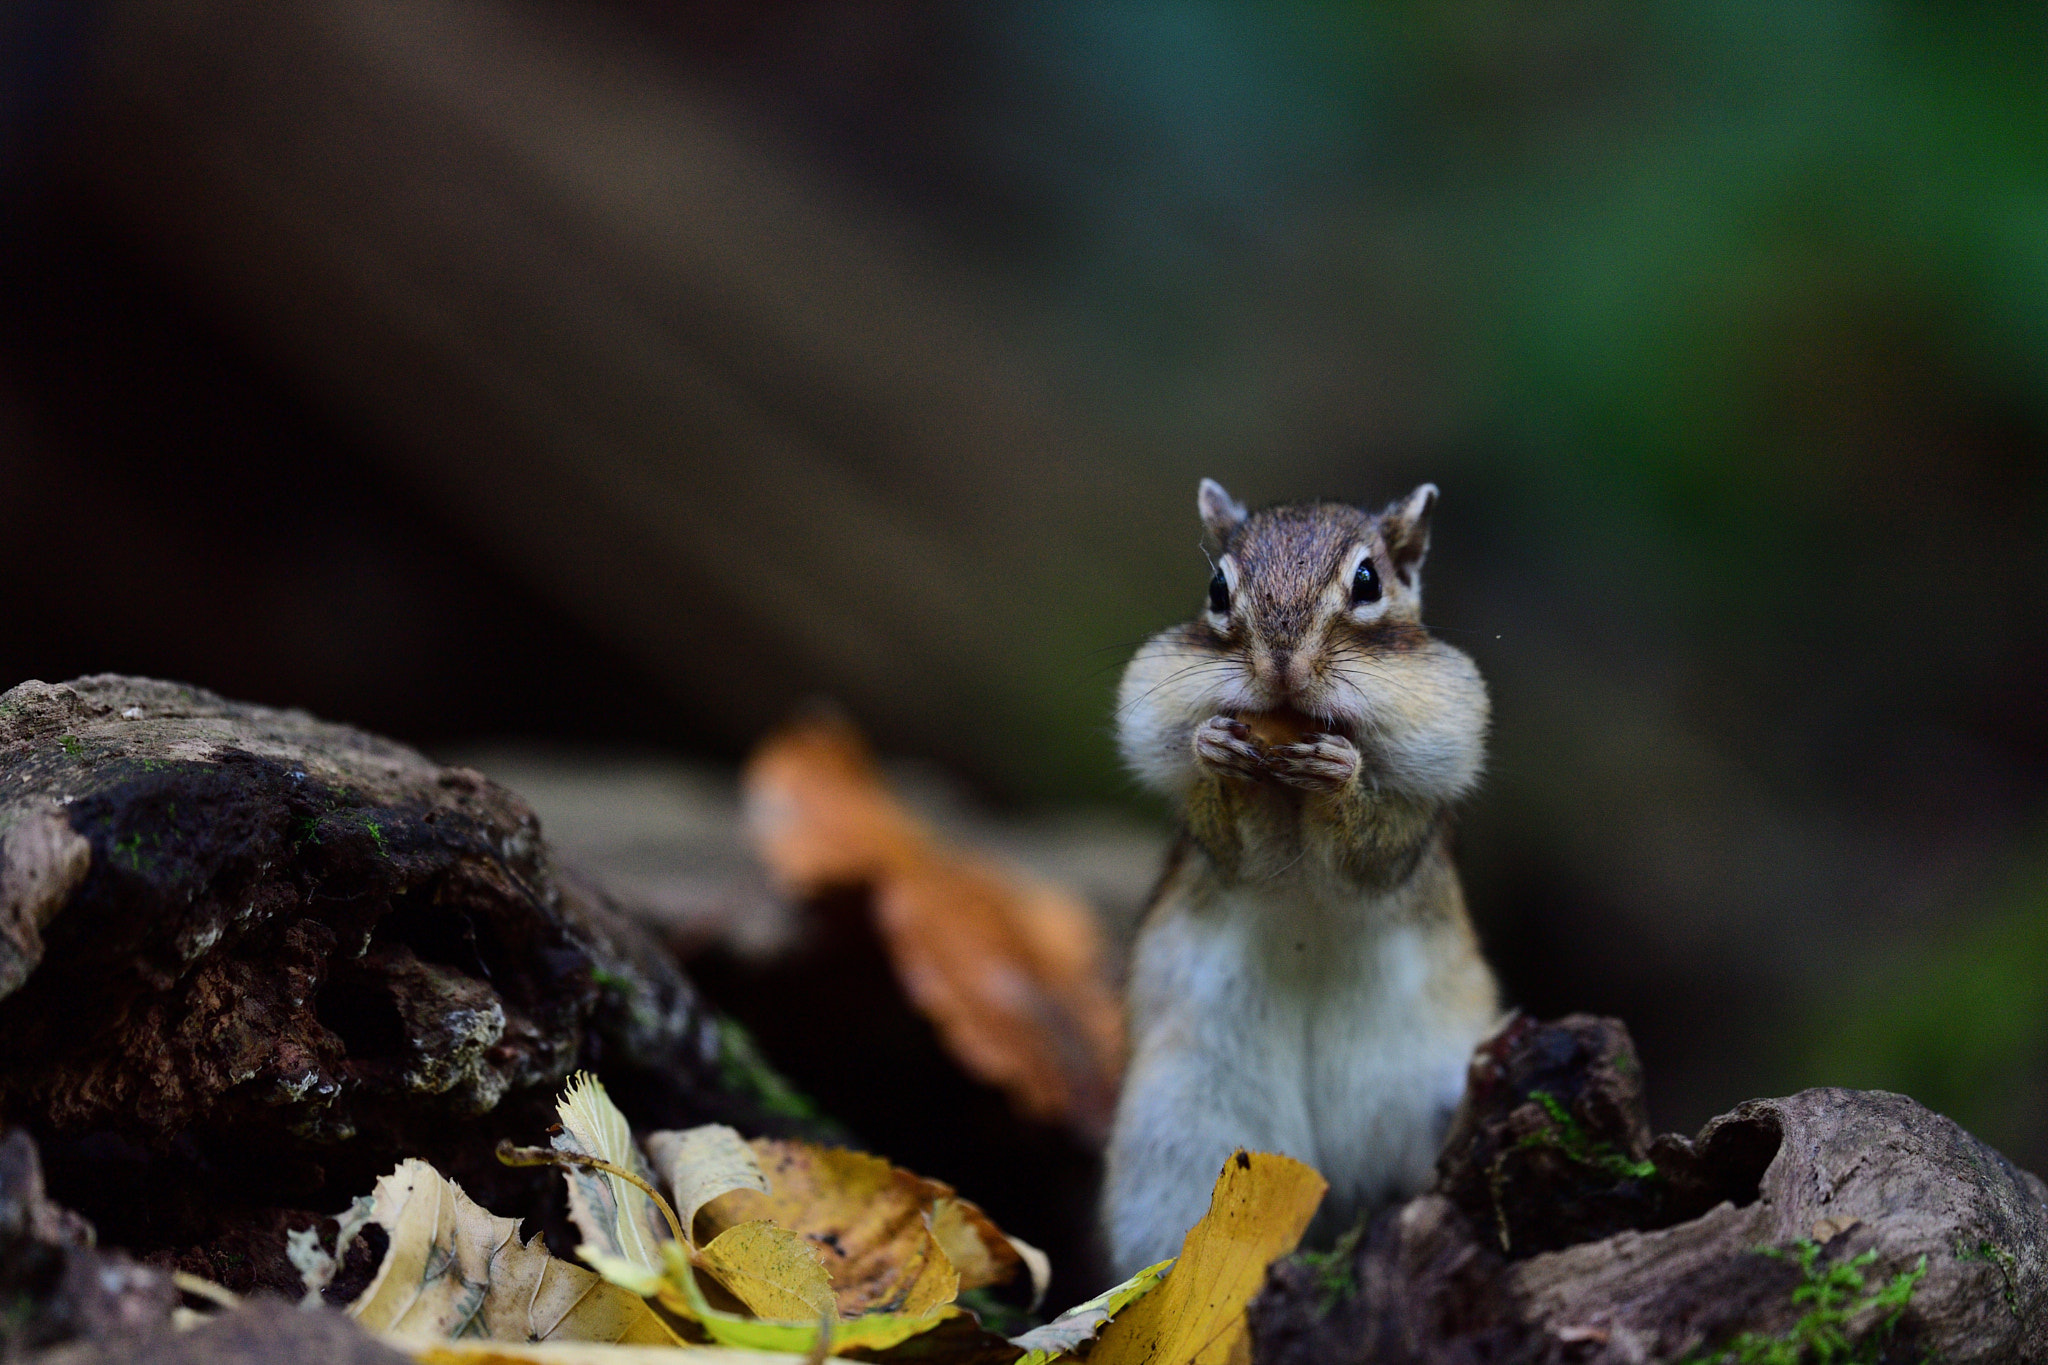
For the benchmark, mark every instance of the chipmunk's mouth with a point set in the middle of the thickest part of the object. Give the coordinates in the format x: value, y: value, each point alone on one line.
x: 1285, y: 725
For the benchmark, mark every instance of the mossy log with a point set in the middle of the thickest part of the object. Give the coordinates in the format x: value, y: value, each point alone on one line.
x: 1833, y: 1225
x: 249, y: 959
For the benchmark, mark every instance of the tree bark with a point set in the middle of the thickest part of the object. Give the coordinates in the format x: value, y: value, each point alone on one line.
x: 248, y: 960
x: 1558, y: 1230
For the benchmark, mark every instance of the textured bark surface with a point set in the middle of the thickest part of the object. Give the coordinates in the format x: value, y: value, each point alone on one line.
x: 55, y: 1286
x: 263, y: 1331
x: 249, y: 959
x: 1558, y: 1230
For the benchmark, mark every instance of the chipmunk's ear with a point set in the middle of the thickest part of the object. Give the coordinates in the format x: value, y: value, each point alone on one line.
x: 1405, y: 528
x: 1221, y: 513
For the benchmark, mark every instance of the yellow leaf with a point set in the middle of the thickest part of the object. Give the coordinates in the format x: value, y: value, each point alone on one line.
x: 1260, y: 1207
x: 772, y: 1271
x: 612, y: 1213
x: 866, y: 1216
x: 452, y: 1269
x: 428, y: 1351
x: 679, y: 1292
x: 980, y: 1250
x: 699, y: 1164
x: 934, y: 1284
x: 1083, y: 1321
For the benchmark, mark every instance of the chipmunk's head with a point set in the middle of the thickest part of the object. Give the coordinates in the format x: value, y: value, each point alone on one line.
x: 1312, y: 622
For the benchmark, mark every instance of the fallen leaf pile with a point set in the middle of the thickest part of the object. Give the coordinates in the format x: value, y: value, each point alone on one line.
x: 745, y: 1253
x: 1009, y: 969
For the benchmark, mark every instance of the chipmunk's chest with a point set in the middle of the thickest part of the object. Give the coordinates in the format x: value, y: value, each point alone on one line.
x: 1337, y: 1014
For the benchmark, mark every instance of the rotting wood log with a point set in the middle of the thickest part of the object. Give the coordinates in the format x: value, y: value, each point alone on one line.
x: 263, y: 1331
x: 55, y: 1285
x: 249, y: 959
x: 1559, y: 1230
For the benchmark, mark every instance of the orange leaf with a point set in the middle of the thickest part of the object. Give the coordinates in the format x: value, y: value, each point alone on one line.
x: 819, y: 813
x: 1009, y: 969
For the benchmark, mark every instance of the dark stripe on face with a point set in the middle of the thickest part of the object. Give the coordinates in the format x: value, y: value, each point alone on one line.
x: 1384, y: 636
x: 1199, y: 635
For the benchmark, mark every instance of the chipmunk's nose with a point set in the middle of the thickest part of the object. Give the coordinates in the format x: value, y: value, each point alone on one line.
x: 1271, y: 668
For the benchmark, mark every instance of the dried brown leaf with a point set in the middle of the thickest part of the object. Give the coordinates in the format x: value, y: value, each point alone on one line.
x: 1009, y: 969
x: 699, y: 1164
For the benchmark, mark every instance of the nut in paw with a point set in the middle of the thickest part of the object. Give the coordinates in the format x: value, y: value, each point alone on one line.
x: 1224, y: 743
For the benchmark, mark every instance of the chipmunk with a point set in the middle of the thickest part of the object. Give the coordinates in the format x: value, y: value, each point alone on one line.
x: 1306, y: 980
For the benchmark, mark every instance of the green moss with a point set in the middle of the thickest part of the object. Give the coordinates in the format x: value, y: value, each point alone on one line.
x: 306, y: 829
x: 72, y: 746
x: 1569, y: 1137
x: 1565, y: 1135
x: 746, y: 1072
x: 1836, y: 1295
x: 130, y: 848
x: 1336, y: 1269
x: 609, y: 980
x: 2007, y: 1263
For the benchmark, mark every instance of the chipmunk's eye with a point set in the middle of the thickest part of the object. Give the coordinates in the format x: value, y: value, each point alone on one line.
x: 1219, y: 594
x: 1365, y: 584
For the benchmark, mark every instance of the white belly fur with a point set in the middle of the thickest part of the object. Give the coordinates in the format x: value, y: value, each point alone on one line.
x: 1337, y: 1033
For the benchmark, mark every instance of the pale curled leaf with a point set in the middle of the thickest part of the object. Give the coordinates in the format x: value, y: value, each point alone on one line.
x: 612, y: 1213
x: 453, y: 1269
x: 1038, y: 1264
x: 316, y: 1266
x: 699, y: 1164
x: 1084, y: 1321
x: 1261, y: 1205
x: 771, y: 1270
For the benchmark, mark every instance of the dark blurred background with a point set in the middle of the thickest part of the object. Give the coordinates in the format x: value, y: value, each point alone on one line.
x: 611, y: 376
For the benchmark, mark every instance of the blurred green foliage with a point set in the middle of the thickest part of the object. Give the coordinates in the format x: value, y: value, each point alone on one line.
x: 1960, y: 1025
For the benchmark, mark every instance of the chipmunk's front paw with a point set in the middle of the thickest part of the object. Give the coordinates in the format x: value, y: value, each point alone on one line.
x: 1320, y: 763
x: 1224, y: 745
